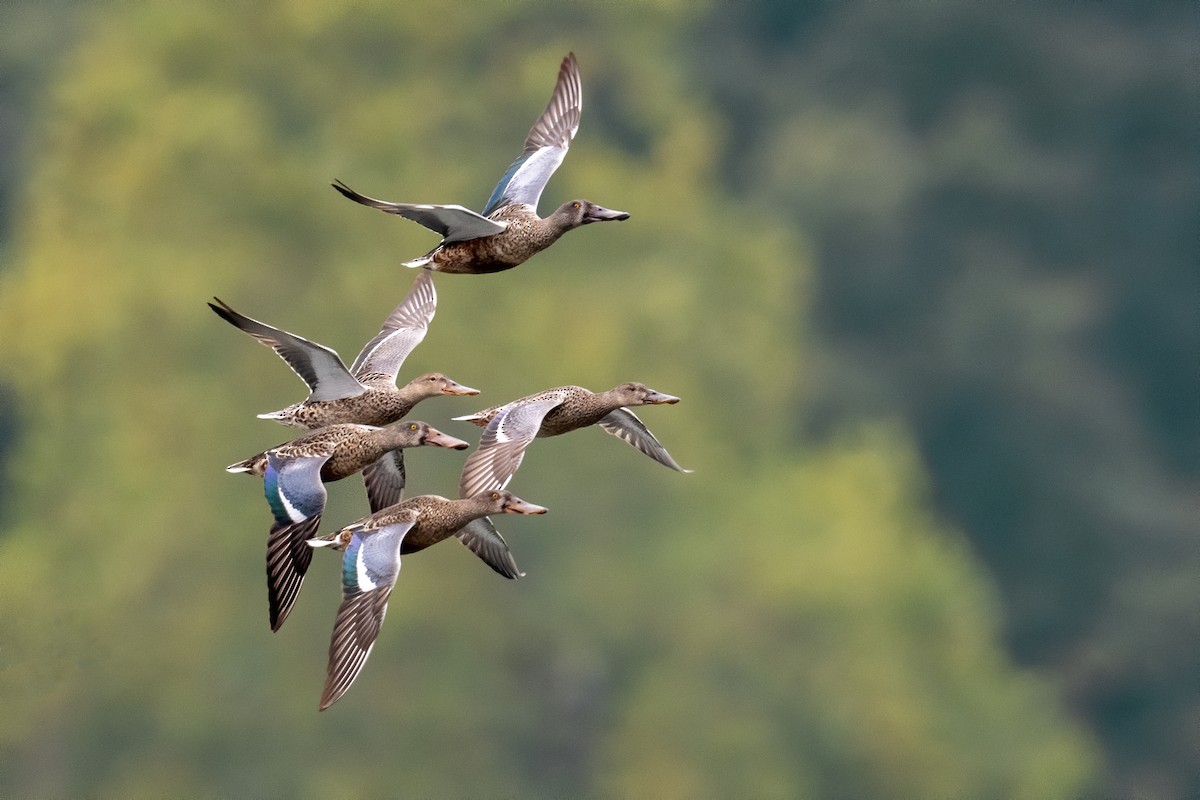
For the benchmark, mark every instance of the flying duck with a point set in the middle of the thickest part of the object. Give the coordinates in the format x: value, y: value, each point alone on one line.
x: 568, y: 408
x: 509, y: 230
x: 294, y: 475
x: 366, y: 393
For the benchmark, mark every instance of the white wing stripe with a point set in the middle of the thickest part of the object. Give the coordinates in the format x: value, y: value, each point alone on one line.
x: 294, y: 514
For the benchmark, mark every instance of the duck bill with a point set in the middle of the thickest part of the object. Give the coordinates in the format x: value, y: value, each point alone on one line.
x: 438, y: 439
x: 660, y: 399
x: 597, y: 213
x: 458, y: 390
x: 519, y: 506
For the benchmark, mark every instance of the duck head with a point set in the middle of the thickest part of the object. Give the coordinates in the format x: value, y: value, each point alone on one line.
x: 584, y: 212
x: 435, y: 383
x: 639, y: 394
x: 503, y: 502
x: 415, y: 434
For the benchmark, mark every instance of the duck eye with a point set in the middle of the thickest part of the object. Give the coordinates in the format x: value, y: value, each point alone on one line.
x: 495, y: 495
x: 574, y: 205
x: 412, y: 427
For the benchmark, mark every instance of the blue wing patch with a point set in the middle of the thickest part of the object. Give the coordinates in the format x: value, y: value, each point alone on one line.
x: 293, y: 487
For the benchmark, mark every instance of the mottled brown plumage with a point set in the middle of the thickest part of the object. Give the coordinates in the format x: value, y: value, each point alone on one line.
x: 381, y: 403
x: 294, y: 476
x: 371, y: 564
x: 351, y: 447
x: 438, y: 518
x: 525, y: 236
x: 577, y: 407
x: 569, y: 408
x: 509, y: 231
x: 365, y: 393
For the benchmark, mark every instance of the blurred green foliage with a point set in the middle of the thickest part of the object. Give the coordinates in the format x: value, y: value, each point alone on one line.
x: 891, y: 258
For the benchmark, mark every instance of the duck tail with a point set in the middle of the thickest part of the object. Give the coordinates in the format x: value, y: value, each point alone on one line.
x: 320, y: 542
x: 479, y: 418
x: 417, y: 263
x: 254, y: 465
x: 333, y: 540
x: 282, y: 416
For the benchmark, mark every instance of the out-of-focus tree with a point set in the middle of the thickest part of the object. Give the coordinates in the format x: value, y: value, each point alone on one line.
x: 33, y: 37
x: 793, y: 611
x: 1003, y: 204
x: 791, y: 619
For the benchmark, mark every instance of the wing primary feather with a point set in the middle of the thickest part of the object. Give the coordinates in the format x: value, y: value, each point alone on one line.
x: 626, y: 426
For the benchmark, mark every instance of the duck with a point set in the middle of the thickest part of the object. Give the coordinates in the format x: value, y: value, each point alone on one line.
x: 561, y: 410
x: 369, y: 573
x: 483, y: 474
x: 366, y: 393
x: 294, y: 476
x: 416, y: 524
x: 372, y: 549
x: 509, y: 231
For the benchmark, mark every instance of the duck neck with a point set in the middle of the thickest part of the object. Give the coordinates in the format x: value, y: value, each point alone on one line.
x: 457, y: 514
x: 472, y: 508
x: 603, y: 402
x: 393, y: 438
x: 557, y: 224
x: 417, y: 390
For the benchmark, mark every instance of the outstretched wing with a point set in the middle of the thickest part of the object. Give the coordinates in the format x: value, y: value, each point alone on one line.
x: 481, y: 538
x: 502, y: 446
x: 319, y: 366
x: 293, y: 487
x: 625, y: 425
x: 370, y: 567
x: 385, y: 480
x: 297, y: 497
x: 288, y: 557
x: 546, y: 145
x: 401, y: 332
x: 453, y: 222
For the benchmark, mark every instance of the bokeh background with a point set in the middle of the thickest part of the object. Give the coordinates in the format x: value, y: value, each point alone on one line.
x: 925, y: 275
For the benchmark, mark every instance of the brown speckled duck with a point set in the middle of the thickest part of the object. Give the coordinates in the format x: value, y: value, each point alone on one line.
x: 294, y: 475
x: 366, y: 393
x: 371, y: 564
x: 509, y: 231
x: 483, y: 473
x: 567, y: 408
x: 373, y: 545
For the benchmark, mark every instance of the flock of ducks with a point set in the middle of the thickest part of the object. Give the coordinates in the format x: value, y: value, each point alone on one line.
x: 355, y: 416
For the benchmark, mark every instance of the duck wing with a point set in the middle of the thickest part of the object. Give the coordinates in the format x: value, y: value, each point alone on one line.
x: 546, y: 145
x: 370, y: 566
x: 455, y: 223
x: 481, y: 538
x: 400, y: 333
x: 297, y: 497
x: 502, y: 446
x: 385, y: 480
x: 288, y: 557
x: 625, y: 425
x: 317, y: 365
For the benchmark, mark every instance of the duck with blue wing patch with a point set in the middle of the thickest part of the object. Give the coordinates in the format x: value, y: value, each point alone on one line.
x: 370, y: 566
x: 294, y: 475
x: 372, y: 548
x: 485, y: 474
x: 509, y: 231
